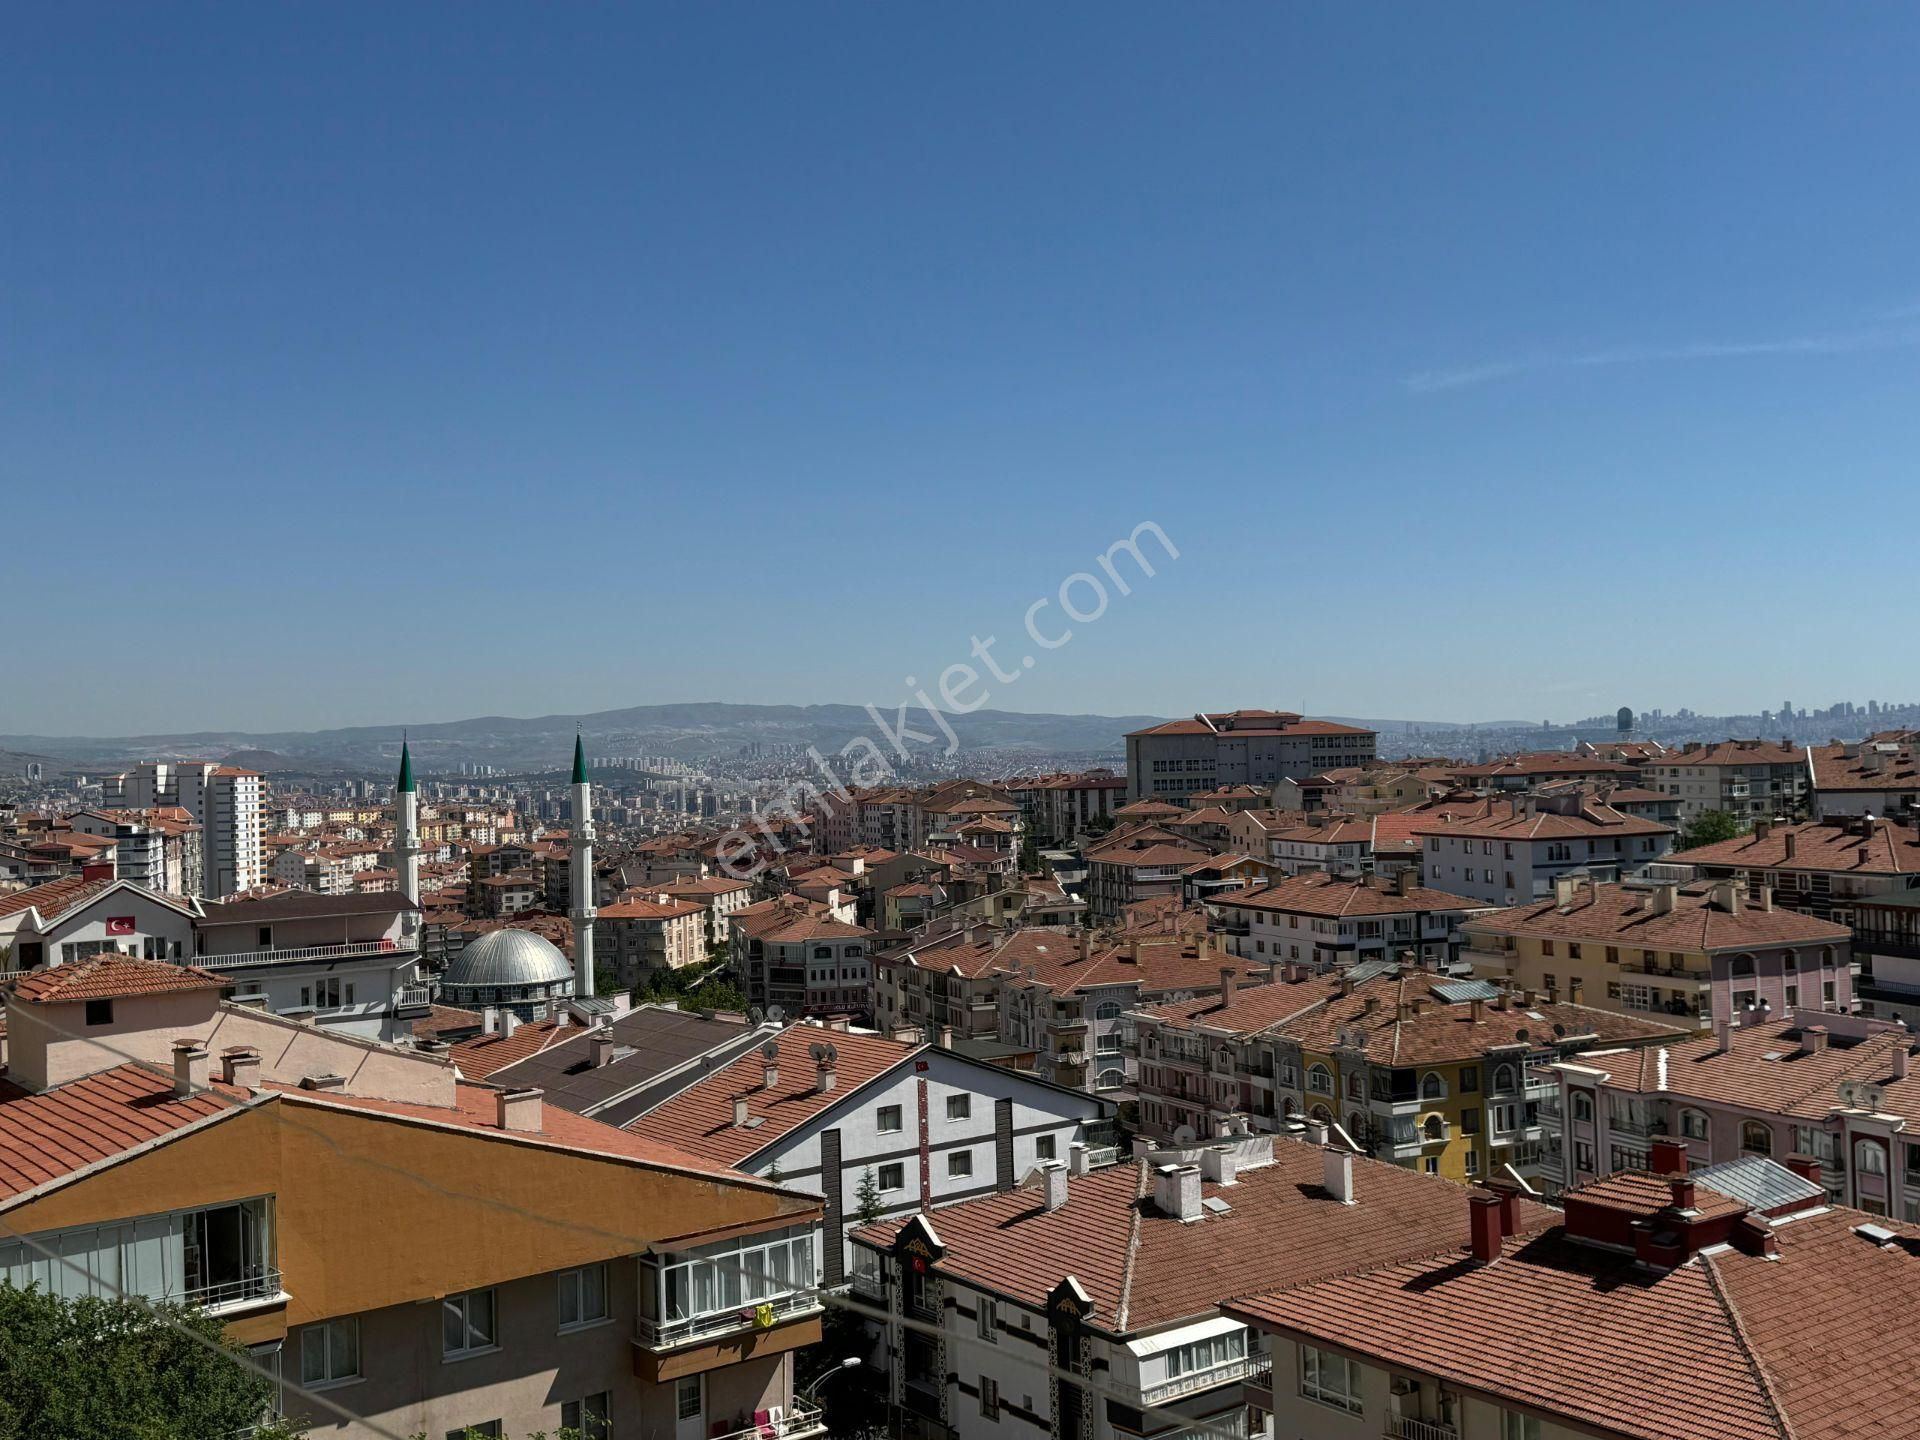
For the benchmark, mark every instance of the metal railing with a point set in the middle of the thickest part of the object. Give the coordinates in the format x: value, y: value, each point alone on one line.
x: 301, y: 955
x: 796, y: 1420
x: 1198, y: 1380
x: 1405, y: 1427
x: 666, y: 1334
x: 261, y: 1285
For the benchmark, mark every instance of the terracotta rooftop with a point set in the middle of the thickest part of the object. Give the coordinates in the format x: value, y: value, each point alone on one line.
x: 1250, y: 722
x: 1319, y: 893
x: 1630, y: 915
x: 480, y: 1055
x: 108, y: 976
x: 1502, y: 819
x: 55, y: 898
x: 700, y: 1119
x: 1839, y: 845
x: 1143, y: 1269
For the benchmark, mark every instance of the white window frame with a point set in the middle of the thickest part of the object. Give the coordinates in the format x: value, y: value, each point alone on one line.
x: 883, y: 1113
x: 326, y: 1332
x: 880, y: 1176
x: 960, y: 1164
x: 574, y: 1283
x: 960, y: 1106
x: 1330, y: 1379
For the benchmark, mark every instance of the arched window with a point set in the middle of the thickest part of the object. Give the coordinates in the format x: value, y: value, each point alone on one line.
x: 1288, y: 1105
x: 1432, y: 1087
x: 1434, y: 1128
x: 1356, y: 1085
x: 1695, y: 1125
x: 1107, y: 1010
x: 1755, y: 1139
x: 1112, y: 1079
x: 1869, y: 1158
x: 1742, y: 967
x: 1582, y: 1105
x: 1502, y: 1079
x: 1323, y: 1115
x: 823, y: 952
x: 1826, y: 957
x: 1319, y: 1079
x: 1357, y: 1125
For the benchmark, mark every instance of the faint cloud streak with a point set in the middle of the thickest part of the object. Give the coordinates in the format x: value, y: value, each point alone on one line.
x: 1845, y: 342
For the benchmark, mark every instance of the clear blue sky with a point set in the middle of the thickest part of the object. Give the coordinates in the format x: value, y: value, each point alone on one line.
x: 390, y: 363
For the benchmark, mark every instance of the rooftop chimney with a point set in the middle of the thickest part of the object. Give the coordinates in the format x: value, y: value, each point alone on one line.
x: 824, y: 1076
x: 1220, y: 1164
x: 1668, y: 1157
x: 1807, y: 1167
x: 191, y: 1067
x: 1484, y: 1218
x: 1053, y: 1183
x: 600, y: 1048
x: 1316, y: 1132
x: 739, y: 1112
x: 1722, y: 1036
x: 1793, y: 842
x: 770, y: 1073
x: 240, y: 1065
x: 1403, y: 882
x: 509, y: 1022
x: 519, y: 1110
x: 489, y: 1021
x: 1900, y: 1061
x: 1176, y: 1192
x: 1565, y: 887
x: 1336, y: 1173
x: 1226, y: 982
x: 1664, y: 896
x: 1813, y: 1039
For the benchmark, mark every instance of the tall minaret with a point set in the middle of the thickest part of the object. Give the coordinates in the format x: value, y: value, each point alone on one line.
x: 406, y: 828
x: 583, y: 906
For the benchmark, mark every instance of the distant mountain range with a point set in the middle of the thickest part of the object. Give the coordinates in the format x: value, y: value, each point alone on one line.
x: 683, y: 732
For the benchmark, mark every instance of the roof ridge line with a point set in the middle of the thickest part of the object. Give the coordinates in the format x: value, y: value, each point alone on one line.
x: 1762, y: 1377
x: 1133, y: 1247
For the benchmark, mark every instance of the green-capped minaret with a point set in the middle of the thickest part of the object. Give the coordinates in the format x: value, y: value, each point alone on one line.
x: 405, y: 784
x: 579, y: 761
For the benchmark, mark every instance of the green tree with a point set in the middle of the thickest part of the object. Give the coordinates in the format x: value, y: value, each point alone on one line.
x: 1709, y: 828
x: 120, y: 1370
x: 866, y: 1199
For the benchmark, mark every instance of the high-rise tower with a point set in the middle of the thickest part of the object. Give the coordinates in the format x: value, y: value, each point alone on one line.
x: 583, y: 907
x: 406, y: 829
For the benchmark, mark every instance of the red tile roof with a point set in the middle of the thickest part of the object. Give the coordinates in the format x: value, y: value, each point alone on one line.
x: 1838, y: 846
x: 1501, y: 819
x: 107, y: 976
x: 46, y: 1137
x: 700, y: 1118
x: 55, y: 898
x: 1319, y: 893
x: 480, y: 1055
x: 1144, y: 1269
x: 1629, y: 914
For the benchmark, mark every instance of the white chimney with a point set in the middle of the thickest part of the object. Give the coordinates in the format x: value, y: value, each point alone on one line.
x: 1220, y: 1164
x: 1077, y: 1158
x: 1336, y: 1170
x: 824, y: 1076
x: 240, y: 1065
x: 509, y: 1022
x: 519, y: 1110
x: 1317, y: 1132
x: 1722, y: 1036
x: 192, y: 1068
x: 739, y: 1112
x: 1053, y: 1181
x: 600, y: 1048
x: 1176, y: 1192
x: 1900, y: 1060
x: 490, y: 1021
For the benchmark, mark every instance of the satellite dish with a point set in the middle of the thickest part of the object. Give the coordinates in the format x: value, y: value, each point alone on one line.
x: 756, y: 1015
x: 770, y: 1050
x: 832, y: 1052
x: 776, y: 1014
x: 1184, y: 1135
x: 817, y: 1050
x: 1519, y: 1034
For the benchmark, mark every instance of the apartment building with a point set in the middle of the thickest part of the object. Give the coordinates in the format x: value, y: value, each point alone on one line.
x: 640, y: 935
x: 826, y: 1110
x: 1058, y: 808
x: 1180, y: 759
x: 430, y: 1253
x: 79, y: 916
x: 159, y: 849
x: 1748, y: 778
x: 1131, y: 867
x: 1531, y: 770
x: 1116, y: 1278
x: 1822, y: 867
x: 1420, y: 1070
x: 1701, y: 953
x: 790, y: 952
x: 1726, y: 1302
x: 348, y: 962
x: 721, y: 897
x: 1509, y: 851
x: 1877, y: 776
x: 1322, y: 920
x: 1829, y: 1094
x: 224, y: 801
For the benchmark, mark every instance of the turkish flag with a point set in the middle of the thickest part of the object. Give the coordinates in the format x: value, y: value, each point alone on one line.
x: 120, y: 925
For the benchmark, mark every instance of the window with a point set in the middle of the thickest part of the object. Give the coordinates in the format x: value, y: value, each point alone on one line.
x: 1319, y: 1079
x: 99, y: 1012
x: 330, y: 1352
x: 466, y: 1324
x: 687, y: 1399
x: 1331, y: 1379
x: 590, y: 1417
x: 1506, y: 1118
x: 1583, y: 1105
x: 583, y: 1296
x: 1208, y: 1354
x: 1869, y: 1158
x: 1433, y: 1128
x: 887, y: 1120
x: 1755, y: 1139
x: 1469, y: 1079
x: 1546, y: 948
x: 1044, y: 1148
x: 1502, y: 1079
x: 1107, y: 1010
x: 1694, y: 1124
x: 959, y: 1163
x: 1470, y: 1122
x: 893, y: 1177
x: 987, y: 1320
x: 1518, y: 1427
x: 1432, y: 1087
x: 959, y: 1107
x: 989, y: 1397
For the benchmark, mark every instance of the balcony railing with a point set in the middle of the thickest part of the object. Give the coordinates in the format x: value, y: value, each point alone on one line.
x: 412, y: 997
x: 796, y: 1421
x: 1405, y: 1427
x: 301, y: 956
x: 1198, y: 1380
x: 261, y: 1285
x: 1103, y: 1155
x: 1636, y: 1125
x: 669, y: 1334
